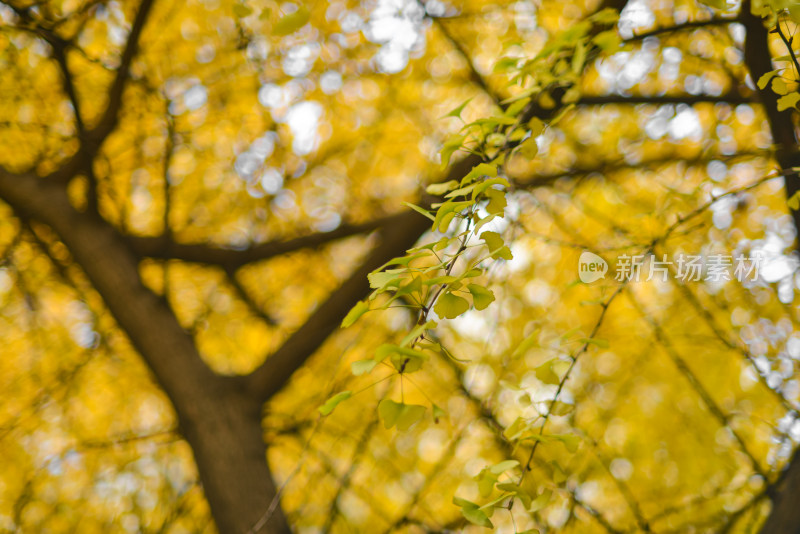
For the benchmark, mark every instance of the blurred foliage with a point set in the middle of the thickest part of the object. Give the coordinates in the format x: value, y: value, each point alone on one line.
x: 250, y: 122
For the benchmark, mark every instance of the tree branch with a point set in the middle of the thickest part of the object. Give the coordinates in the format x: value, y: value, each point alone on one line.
x: 730, y: 98
x: 108, y: 121
x: 59, y: 54
x: 163, y: 247
x: 113, y: 271
x: 475, y: 76
x: 273, y: 374
x: 691, y: 25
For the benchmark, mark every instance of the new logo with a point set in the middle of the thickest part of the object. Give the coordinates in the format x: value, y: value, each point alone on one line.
x: 591, y: 267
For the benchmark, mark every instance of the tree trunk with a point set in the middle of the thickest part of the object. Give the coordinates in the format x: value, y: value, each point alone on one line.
x: 221, y: 423
x: 229, y: 449
x: 785, y: 515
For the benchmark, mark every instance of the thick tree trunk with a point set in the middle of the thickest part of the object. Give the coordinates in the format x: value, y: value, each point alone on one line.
x: 221, y: 424
x: 785, y: 515
x: 229, y: 449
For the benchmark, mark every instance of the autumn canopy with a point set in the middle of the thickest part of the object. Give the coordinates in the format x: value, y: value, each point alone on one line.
x: 399, y: 266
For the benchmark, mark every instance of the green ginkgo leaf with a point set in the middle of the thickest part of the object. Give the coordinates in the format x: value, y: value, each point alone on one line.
x: 362, y: 367
x: 473, y: 513
x: 441, y: 188
x: 242, y: 10
x: 334, y: 401
x: 399, y: 414
x: 456, y: 112
x: 481, y: 297
x: 529, y: 148
x: 357, y: 311
x: 476, y: 516
x: 794, y: 201
x: 765, y: 78
x: 788, y: 101
x: 292, y: 22
x: 450, y: 306
x: 496, y: 245
x: 546, y: 374
x: 449, y: 147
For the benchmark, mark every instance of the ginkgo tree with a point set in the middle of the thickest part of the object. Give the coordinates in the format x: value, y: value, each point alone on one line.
x: 197, y: 197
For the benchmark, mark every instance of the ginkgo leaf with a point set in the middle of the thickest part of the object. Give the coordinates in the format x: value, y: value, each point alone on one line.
x: 399, y: 414
x: 456, y: 112
x: 561, y: 408
x: 602, y: 343
x: 481, y: 296
x: 496, y: 245
x: 446, y: 213
x: 514, y: 109
x: 495, y: 139
x: 788, y: 101
x: 608, y: 41
x: 529, y: 148
x: 546, y: 374
x: 536, y: 126
x: 449, y: 147
x: 442, y: 188
x: 794, y: 201
x: 476, y: 516
x: 607, y: 15
x: 242, y: 10
x: 488, y: 185
x: 541, y: 501
x: 570, y: 441
x: 497, y: 201
x: 334, y: 401
x: 355, y: 312
x: 486, y: 481
x: 362, y: 367
x: 417, y: 331
x: 504, y: 466
x: 530, y: 341
x: 472, y: 513
x: 779, y: 86
x: 450, y: 306
x: 482, y: 169
x: 292, y: 22
x: 382, y: 279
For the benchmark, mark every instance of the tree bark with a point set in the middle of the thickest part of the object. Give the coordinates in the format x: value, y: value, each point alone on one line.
x: 221, y: 423
x: 784, y: 518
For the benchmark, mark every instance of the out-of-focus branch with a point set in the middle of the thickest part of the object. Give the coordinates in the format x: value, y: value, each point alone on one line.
x: 729, y: 98
x: 241, y: 291
x: 108, y: 121
x: 691, y: 25
x: 476, y: 77
x: 273, y: 374
x: 163, y: 247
